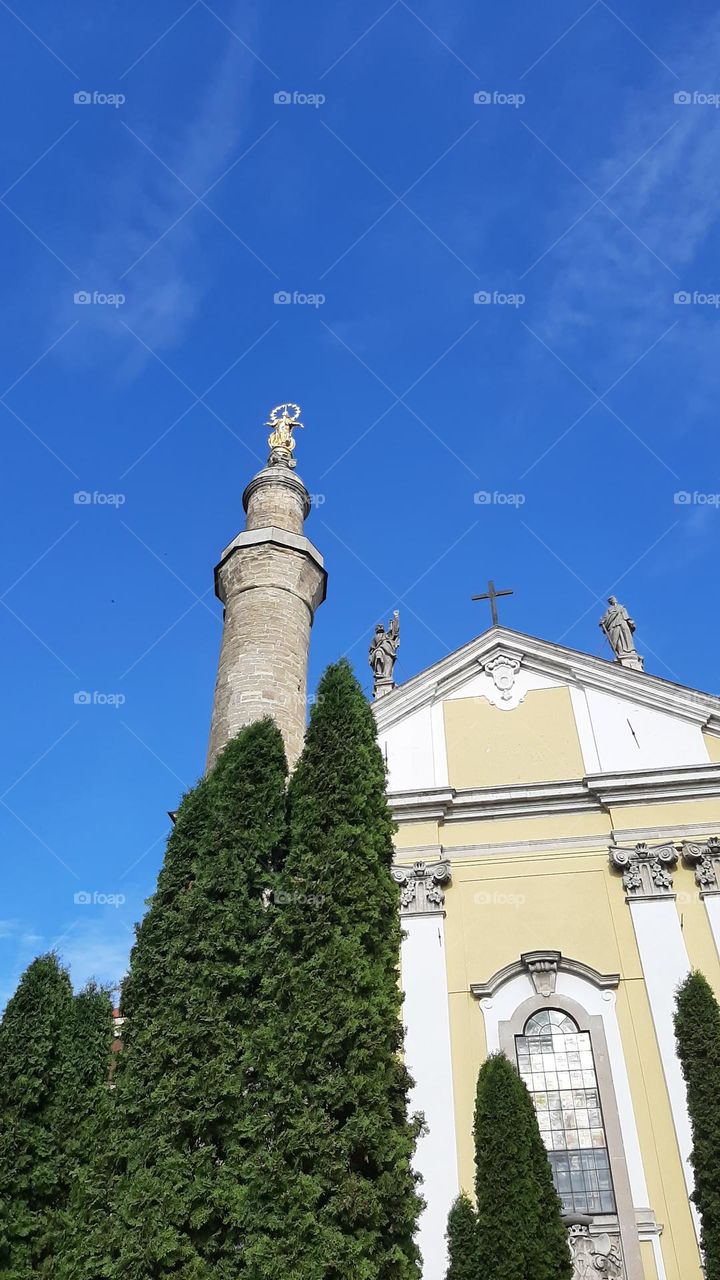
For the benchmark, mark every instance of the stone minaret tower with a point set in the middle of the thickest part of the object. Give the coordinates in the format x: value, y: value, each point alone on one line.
x: 271, y: 580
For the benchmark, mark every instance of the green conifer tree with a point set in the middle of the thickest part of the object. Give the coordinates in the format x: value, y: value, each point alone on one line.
x: 520, y: 1230
x: 697, y: 1029
x: 184, y: 1081
x: 86, y: 1111
x: 334, y: 1195
x: 462, y: 1239
x: 34, y: 1039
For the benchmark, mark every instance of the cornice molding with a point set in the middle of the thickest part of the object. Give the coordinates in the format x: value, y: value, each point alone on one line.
x: 552, y: 660
x: 593, y: 793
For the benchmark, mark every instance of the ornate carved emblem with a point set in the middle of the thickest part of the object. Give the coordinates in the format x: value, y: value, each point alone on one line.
x: 421, y: 886
x: 502, y: 668
x: 543, y: 969
x: 594, y: 1254
x: 645, y: 871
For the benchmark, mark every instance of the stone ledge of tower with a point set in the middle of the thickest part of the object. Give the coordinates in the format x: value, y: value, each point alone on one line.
x: 272, y: 540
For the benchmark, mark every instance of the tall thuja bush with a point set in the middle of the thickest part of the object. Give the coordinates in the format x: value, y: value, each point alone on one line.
x: 184, y: 1081
x: 462, y: 1240
x: 334, y: 1195
x: 697, y: 1030
x: 34, y: 1172
x: 520, y: 1230
x: 86, y: 1101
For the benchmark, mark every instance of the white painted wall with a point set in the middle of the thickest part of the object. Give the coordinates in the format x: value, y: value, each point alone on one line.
x: 408, y: 748
x: 427, y: 1053
x: 665, y: 964
x: 712, y: 906
x: 660, y: 739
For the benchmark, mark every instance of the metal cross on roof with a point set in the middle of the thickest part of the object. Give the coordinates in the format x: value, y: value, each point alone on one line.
x: 492, y: 595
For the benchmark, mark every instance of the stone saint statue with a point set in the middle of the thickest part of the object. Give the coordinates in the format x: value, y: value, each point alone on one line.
x: 619, y: 628
x: 383, y: 652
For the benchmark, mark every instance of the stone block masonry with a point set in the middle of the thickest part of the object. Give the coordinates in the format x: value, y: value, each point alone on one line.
x: 271, y: 580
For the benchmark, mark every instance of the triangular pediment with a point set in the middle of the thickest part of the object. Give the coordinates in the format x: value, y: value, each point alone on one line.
x: 459, y: 670
x: 510, y: 709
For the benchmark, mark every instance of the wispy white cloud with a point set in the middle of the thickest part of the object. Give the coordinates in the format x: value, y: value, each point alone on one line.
x: 669, y: 200
x: 171, y: 277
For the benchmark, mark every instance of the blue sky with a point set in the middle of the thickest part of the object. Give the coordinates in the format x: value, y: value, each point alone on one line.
x: 181, y: 197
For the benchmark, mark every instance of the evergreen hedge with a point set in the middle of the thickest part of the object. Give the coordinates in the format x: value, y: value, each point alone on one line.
x: 334, y: 1195
x: 34, y: 1165
x: 521, y: 1235
x: 462, y: 1240
x: 183, y: 1095
x: 697, y: 1029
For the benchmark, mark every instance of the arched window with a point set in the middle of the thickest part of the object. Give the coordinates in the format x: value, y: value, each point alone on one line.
x: 555, y: 1059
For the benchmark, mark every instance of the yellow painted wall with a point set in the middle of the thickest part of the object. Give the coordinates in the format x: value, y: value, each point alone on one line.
x: 500, y: 905
x: 712, y: 742
x: 482, y: 740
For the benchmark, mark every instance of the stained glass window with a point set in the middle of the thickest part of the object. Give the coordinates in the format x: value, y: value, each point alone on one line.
x: 555, y: 1059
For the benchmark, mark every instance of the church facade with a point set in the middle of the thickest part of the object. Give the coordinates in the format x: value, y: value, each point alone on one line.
x: 559, y: 867
x: 558, y: 860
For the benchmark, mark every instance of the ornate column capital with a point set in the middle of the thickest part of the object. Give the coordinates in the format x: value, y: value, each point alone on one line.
x: 705, y: 862
x: 421, y: 887
x: 645, y: 871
